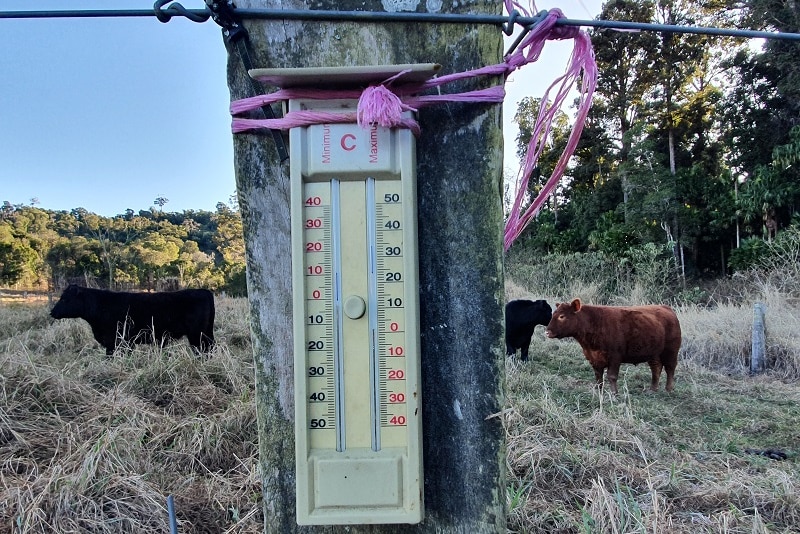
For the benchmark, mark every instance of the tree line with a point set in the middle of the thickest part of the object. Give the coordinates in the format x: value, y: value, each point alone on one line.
x: 151, y: 249
x: 691, y: 148
x: 692, y: 142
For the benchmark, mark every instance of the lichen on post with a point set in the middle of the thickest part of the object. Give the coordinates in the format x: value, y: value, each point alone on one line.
x: 459, y: 154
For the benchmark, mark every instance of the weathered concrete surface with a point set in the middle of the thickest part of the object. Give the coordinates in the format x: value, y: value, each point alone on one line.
x: 460, y: 248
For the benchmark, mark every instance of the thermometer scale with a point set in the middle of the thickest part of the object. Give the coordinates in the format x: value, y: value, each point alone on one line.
x: 356, y: 314
x: 345, y: 281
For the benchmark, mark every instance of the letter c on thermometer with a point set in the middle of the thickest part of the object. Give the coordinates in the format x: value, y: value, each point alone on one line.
x: 347, y: 142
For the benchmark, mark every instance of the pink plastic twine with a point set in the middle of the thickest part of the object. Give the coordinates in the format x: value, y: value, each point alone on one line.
x: 385, y: 103
x: 582, y: 60
x: 379, y: 105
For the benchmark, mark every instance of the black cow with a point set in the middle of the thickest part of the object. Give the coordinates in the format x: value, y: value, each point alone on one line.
x: 141, y: 317
x: 522, y: 316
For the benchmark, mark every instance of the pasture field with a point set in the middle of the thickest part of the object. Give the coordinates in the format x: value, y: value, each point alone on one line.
x: 90, y: 443
x: 693, y: 461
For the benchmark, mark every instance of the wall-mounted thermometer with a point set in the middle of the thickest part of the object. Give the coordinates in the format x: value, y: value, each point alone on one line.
x: 356, y: 316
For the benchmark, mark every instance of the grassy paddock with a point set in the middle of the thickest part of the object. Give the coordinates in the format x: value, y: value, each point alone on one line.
x: 581, y: 460
x: 90, y: 443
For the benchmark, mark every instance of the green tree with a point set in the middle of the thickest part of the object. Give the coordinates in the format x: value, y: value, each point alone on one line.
x: 27, y: 238
x: 525, y: 117
x: 75, y: 257
x: 628, y: 63
x: 155, y: 253
x: 10, y: 269
x: 126, y: 251
x: 763, y: 195
x: 191, y: 262
x: 654, y: 126
x: 761, y: 113
x: 112, y: 236
x: 788, y: 155
x: 229, y: 239
x: 18, y: 264
x: 161, y: 202
x: 783, y: 56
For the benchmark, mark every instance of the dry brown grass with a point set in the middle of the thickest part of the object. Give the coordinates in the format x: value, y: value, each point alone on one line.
x: 23, y: 297
x: 583, y: 461
x: 96, y: 444
x: 90, y: 443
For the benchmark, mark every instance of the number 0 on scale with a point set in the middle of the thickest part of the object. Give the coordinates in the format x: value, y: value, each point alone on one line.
x: 356, y: 322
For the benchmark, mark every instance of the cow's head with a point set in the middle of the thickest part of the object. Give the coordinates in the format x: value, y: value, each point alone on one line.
x: 565, y: 320
x: 70, y: 305
x: 544, y: 312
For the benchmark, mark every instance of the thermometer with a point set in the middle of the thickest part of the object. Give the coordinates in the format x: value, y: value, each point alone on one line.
x: 356, y: 322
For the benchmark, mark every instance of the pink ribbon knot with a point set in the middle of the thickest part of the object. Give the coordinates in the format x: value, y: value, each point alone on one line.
x: 380, y: 105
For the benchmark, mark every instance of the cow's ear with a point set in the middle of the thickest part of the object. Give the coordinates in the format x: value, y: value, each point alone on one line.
x: 576, y: 305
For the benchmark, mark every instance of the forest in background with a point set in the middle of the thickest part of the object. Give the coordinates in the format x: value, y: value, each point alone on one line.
x: 691, y: 144
x: 689, y: 156
x: 46, y: 250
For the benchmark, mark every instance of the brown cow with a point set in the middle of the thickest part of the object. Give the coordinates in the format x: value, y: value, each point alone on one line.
x: 612, y: 335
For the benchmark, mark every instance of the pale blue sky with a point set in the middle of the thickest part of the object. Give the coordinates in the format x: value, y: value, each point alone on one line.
x: 109, y: 114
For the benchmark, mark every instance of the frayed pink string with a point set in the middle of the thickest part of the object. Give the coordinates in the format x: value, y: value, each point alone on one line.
x: 384, y: 105
x: 295, y: 119
x: 582, y: 60
x: 255, y: 102
x: 379, y: 105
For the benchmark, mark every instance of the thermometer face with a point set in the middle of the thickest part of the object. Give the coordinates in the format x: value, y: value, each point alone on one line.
x: 357, y: 382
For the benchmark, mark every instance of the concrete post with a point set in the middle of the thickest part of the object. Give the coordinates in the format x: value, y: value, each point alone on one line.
x: 461, y: 263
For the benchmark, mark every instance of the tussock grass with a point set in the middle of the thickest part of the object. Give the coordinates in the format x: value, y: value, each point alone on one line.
x: 719, y: 337
x: 90, y: 443
x: 583, y: 461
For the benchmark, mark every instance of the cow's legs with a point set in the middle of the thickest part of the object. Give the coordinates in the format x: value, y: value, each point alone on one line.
x: 670, y: 370
x: 655, y: 371
x: 201, y: 342
x: 108, y: 341
x: 196, y: 341
x: 524, y: 350
x: 613, y: 373
x: 206, y: 341
x: 598, y: 375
